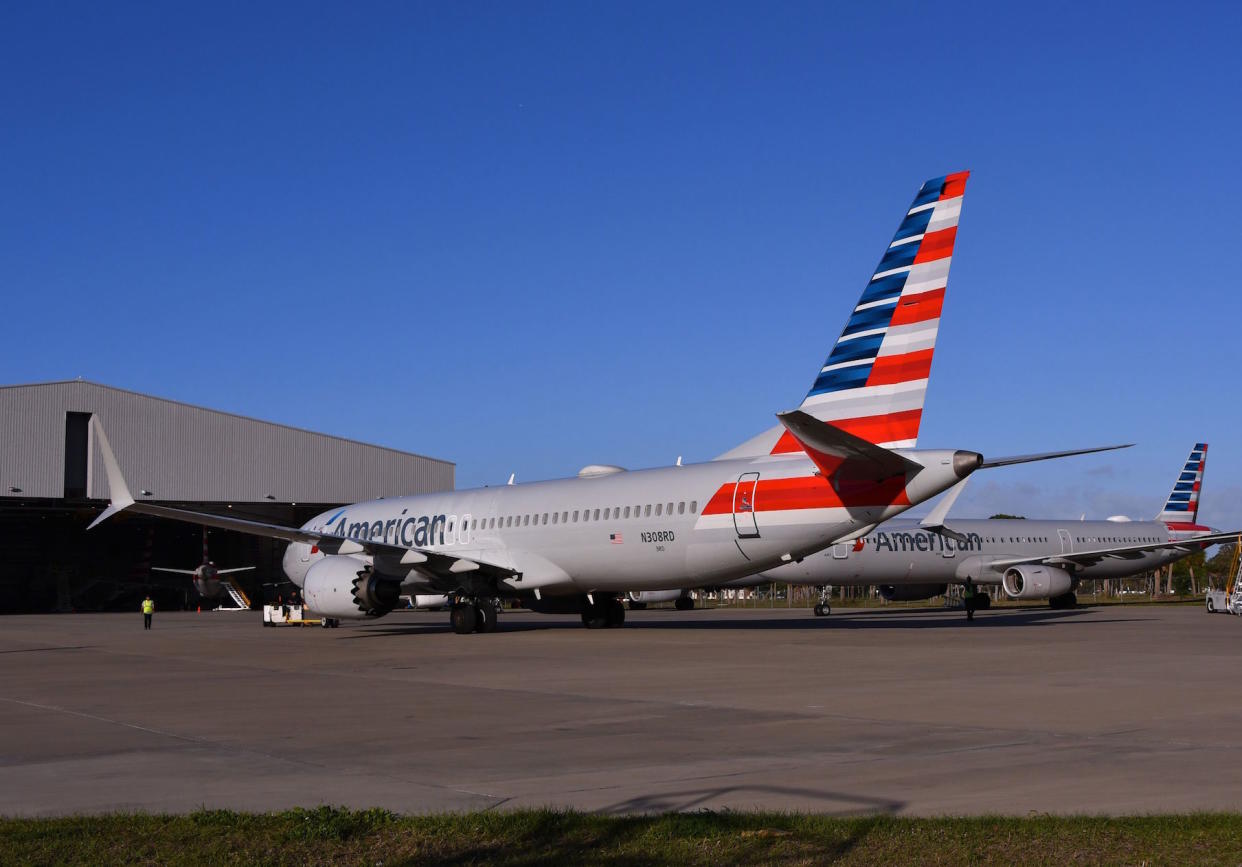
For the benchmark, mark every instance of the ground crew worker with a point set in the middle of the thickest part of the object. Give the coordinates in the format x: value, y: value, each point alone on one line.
x: 148, y: 608
x: 970, y: 600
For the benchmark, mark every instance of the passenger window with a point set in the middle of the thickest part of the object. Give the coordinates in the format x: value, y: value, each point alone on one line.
x: 575, y: 516
x: 555, y: 516
x: 627, y: 511
x: 564, y: 517
x: 670, y: 508
x: 595, y: 517
x: 659, y: 509
x: 545, y: 518
x: 681, y: 508
x: 647, y: 511
x: 605, y: 514
x: 694, y: 506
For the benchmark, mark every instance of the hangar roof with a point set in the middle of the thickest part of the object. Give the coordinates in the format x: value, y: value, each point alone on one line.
x: 184, y: 453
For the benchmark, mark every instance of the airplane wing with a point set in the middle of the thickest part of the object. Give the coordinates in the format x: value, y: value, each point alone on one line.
x: 235, y: 569
x: 174, y: 571
x: 1121, y: 552
x: 447, y: 568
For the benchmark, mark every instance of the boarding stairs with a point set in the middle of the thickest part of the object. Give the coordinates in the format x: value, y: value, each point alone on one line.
x: 238, y: 598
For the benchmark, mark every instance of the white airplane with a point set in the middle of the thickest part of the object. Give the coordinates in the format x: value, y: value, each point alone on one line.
x: 1030, y: 559
x: 207, y: 576
x: 836, y: 467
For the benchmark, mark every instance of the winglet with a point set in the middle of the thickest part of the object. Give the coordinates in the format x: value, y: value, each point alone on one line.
x: 118, y: 491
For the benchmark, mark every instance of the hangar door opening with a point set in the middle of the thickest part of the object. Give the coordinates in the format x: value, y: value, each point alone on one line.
x: 77, y: 454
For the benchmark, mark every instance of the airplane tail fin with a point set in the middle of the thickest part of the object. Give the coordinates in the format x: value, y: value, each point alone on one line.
x: 873, y: 383
x: 1182, y: 506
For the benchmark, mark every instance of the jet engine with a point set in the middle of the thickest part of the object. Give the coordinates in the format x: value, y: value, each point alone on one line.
x: 339, y: 586
x: 1030, y: 581
x: 910, y: 592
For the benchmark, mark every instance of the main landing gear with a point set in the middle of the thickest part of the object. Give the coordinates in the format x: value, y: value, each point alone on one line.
x: 822, y: 607
x: 473, y: 615
x: 684, y: 603
x: 603, y: 613
x: 1065, y: 600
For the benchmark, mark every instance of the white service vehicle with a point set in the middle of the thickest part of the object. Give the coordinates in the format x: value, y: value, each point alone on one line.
x: 1229, y: 600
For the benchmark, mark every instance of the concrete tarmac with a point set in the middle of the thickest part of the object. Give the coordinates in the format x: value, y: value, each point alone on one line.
x: 1116, y: 710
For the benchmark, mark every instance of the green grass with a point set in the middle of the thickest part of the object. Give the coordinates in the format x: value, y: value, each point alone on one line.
x: 529, y: 837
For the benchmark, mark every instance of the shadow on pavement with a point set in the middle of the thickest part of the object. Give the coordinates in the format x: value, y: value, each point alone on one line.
x: 835, y: 803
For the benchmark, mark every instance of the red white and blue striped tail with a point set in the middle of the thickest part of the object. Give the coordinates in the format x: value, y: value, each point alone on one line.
x: 1182, y: 507
x: 874, y: 381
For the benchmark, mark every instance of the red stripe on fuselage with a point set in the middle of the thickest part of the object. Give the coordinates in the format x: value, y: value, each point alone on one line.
x: 936, y: 245
x: 891, y: 369
x: 812, y: 492
x: 892, y: 428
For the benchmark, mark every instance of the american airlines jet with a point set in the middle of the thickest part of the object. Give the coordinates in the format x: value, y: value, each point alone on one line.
x: 833, y: 469
x: 1030, y: 559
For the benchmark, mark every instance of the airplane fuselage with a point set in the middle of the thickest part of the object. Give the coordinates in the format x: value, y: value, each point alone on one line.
x: 647, y: 529
x: 901, y: 552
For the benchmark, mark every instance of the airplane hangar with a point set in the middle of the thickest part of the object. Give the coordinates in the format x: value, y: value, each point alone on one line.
x: 52, y: 485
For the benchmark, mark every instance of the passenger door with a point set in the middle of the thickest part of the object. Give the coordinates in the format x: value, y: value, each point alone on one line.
x: 744, y: 506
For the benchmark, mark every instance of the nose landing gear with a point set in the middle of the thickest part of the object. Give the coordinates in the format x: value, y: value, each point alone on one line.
x: 823, y: 608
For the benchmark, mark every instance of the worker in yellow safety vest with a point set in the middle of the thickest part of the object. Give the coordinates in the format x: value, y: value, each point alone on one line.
x: 971, y: 600
x: 148, y: 608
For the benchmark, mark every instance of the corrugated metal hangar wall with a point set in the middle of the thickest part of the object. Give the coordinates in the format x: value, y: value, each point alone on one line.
x: 52, y: 484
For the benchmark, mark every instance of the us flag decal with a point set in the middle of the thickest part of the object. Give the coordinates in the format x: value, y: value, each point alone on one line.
x: 615, y: 538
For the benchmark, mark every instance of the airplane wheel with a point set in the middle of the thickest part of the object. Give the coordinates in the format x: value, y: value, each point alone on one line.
x: 615, y: 613
x: 822, y: 610
x: 486, y: 614
x: 1065, y: 600
x: 594, y: 616
x: 464, y: 617
x: 684, y: 603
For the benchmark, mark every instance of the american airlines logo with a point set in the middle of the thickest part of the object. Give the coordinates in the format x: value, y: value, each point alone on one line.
x: 887, y: 541
x: 418, y: 532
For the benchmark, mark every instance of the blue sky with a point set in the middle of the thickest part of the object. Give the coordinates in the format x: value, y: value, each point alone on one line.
x: 527, y: 237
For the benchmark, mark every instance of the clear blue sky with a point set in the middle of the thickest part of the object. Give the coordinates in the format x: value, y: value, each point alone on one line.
x: 527, y: 237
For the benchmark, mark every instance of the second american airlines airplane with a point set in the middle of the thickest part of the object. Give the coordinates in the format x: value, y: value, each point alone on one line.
x: 1030, y: 559
x: 836, y: 467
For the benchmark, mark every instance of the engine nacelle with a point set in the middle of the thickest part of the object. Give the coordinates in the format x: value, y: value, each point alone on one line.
x: 339, y: 586
x: 651, y: 597
x: 1030, y: 581
x: 430, y: 601
x: 911, y: 592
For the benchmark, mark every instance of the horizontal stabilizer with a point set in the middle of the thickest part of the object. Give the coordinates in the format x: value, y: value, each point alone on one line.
x: 1046, y: 456
x: 841, y: 454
